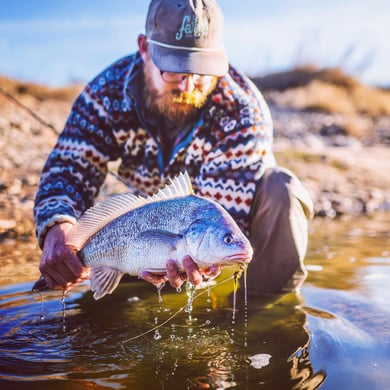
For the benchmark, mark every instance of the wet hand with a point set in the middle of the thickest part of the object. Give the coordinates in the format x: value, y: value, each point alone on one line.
x: 155, y: 279
x: 191, y: 273
x: 60, y: 266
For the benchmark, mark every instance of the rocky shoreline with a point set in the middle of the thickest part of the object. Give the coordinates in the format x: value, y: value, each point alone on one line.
x: 346, y: 175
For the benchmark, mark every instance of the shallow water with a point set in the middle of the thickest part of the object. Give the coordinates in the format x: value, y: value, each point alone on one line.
x: 334, y: 335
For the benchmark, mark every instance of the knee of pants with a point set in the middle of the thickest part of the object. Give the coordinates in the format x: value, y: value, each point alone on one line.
x: 274, y: 186
x: 277, y: 186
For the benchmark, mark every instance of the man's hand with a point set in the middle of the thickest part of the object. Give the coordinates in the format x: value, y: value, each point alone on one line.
x: 177, y: 278
x: 60, y: 265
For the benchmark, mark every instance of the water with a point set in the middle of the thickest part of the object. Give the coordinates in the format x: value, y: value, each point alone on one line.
x: 334, y: 335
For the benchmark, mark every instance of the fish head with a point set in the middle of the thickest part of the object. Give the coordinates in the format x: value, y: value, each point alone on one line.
x: 217, y: 242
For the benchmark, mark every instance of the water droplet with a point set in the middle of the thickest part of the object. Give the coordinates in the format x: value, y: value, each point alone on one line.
x: 235, y: 287
x: 188, y: 308
x: 63, y: 311
x: 190, y: 290
x: 159, y: 288
x: 133, y: 299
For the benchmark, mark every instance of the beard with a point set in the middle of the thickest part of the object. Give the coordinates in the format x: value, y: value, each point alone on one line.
x: 175, y: 105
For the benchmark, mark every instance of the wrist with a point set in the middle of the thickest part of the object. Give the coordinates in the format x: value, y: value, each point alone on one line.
x: 57, y: 232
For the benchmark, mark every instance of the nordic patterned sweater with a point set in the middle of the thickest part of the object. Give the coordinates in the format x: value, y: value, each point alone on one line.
x: 224, y: 151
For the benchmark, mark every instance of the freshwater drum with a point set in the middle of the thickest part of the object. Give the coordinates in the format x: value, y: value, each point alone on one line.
x: 128, y: 234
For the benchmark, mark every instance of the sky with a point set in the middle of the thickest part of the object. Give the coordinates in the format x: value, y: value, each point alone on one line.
x: 64, y: 41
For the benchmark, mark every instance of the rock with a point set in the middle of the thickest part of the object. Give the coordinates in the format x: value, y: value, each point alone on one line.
x: 7, y: 224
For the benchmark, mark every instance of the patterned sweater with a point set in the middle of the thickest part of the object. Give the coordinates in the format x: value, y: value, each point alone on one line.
x: 224, y: 151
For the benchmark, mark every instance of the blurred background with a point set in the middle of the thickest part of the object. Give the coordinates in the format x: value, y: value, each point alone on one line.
x: 323, y: 69
x: 58, y: 43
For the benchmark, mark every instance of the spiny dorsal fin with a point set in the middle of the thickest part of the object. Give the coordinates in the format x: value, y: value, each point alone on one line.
x: 102, y: 213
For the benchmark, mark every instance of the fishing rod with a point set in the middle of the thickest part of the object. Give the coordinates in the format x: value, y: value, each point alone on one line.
x: 43, y: 122
x: 27, y: 109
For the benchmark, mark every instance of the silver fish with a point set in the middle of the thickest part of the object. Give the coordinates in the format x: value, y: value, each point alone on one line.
x: 130, y: 234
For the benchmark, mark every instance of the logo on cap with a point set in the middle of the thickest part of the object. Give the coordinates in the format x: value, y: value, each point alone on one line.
x: 192, y: 28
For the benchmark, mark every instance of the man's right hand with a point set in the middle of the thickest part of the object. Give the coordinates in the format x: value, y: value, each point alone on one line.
x: 60, y: 266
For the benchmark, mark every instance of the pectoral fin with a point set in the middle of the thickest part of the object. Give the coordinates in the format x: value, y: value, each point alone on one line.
x: 104, y: 280
x: 162, y: 236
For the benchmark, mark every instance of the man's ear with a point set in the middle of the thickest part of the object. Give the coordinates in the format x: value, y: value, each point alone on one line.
x: 143, y: 46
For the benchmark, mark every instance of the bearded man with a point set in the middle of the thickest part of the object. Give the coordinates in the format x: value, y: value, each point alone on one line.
x: 176, y: 105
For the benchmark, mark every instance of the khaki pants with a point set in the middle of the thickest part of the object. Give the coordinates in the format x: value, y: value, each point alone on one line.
x: 278, y: 233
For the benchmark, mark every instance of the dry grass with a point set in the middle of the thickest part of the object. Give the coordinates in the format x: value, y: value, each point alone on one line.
x: 325, y: 90
x: 40, y: 92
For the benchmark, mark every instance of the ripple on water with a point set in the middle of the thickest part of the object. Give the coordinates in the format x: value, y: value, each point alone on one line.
x: 43, y: 339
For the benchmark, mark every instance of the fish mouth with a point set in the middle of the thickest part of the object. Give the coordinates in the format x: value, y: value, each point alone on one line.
x: 239, y: 258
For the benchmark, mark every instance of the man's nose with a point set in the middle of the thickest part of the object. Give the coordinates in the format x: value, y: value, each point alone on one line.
x: 187, y: 84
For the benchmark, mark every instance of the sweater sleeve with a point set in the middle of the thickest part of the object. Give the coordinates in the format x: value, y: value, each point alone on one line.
x: 77, y: 165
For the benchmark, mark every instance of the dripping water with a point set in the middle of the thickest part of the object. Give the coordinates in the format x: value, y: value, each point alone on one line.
x: 63, y: 303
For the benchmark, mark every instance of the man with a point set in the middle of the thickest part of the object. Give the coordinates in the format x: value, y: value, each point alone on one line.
x: 176, y: 105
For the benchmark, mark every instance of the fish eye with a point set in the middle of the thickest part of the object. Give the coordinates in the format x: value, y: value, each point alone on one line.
x: 228, y: 239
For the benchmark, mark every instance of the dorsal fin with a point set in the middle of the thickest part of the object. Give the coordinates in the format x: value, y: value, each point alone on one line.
x: 102, y: 213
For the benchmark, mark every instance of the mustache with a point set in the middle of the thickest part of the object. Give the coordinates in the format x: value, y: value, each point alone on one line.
x: 193, y: 98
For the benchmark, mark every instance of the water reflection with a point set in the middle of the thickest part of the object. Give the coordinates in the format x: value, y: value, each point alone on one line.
x: 278, y: 327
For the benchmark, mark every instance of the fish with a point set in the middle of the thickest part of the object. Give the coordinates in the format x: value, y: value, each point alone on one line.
x: 129, y: 234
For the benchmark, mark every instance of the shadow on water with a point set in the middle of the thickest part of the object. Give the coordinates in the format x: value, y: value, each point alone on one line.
x: 334, y: 335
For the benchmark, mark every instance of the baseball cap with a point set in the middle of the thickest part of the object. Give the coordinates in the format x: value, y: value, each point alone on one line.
x: 185, y: 36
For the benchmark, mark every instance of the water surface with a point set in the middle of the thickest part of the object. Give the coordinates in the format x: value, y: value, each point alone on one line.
x: 334, y: 335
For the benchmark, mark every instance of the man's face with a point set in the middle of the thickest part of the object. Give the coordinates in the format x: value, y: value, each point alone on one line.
x: 178, y: 101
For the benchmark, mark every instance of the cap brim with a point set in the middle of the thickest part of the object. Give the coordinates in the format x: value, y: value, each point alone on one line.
x: 190, y: 61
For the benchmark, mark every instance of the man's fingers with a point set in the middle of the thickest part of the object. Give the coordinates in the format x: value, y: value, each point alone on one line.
x: 155, y: 279
x: 192, y: 271
x: 73, y: 262
x: 212, y: 272
x: 85, y: 273
x: 175, y: 278
x: 55, y: 279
